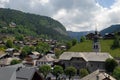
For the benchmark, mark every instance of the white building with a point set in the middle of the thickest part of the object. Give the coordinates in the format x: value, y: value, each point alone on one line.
x: 45, y: 60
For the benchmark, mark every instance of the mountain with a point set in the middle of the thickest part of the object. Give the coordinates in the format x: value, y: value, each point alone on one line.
x: 77, y: 35
x: 111, y: 29
x: 30, y: 24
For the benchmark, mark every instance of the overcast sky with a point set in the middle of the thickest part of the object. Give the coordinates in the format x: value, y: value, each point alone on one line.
x: 75, y: 15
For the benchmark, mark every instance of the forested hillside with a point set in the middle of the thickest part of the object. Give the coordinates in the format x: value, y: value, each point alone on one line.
x: 30, y: 24
x: 111, y: 29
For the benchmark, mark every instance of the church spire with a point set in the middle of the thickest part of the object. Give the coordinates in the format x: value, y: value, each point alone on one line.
x: 96, y: 43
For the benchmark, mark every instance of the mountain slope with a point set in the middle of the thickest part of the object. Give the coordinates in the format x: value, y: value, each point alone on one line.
x: 38, y: 25
x: 111, y: 29
x: 77, y: 35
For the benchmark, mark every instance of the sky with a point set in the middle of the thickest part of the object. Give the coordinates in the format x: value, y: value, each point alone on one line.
x: 75, y: 15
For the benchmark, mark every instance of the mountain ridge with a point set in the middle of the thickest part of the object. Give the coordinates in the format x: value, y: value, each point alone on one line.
x: 32, y: 22
x: 78, y: 35
x: 111, y: 29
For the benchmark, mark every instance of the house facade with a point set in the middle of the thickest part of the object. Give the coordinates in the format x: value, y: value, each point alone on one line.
x: 90, y: 60
x: 45, y: 60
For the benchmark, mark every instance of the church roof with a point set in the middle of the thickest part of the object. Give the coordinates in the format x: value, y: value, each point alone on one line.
x: 87, y: 56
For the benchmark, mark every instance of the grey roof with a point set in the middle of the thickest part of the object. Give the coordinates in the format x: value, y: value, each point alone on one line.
x: 97, y: 74
x: 16, y: 66
x: 87, y: 56
x: 7, y: 73
x: 2, y: 55
x: 17, y: 73
x: 46, y: 58
x: 25, y: 73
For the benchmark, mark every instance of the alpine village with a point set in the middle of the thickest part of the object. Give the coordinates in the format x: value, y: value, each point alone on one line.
x: 35, y: 47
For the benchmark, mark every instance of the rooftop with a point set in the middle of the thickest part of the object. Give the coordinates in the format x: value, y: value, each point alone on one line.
x: 6, y: 73
x: 87, y: 56
x: 98, y: 74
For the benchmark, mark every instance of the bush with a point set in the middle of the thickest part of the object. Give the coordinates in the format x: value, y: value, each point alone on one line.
x: 70, y: 71
x: 83, y: 72
x: 110, y: 65
x: 15, y: 61
x: 116, y: 73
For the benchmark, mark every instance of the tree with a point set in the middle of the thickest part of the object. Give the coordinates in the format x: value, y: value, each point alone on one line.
x: 83, y: 72
x: 9, y: 44
x: 74, y: 42
x: 116, y: 73
x: 82, y: 39
x: 58, y: 52
x: 15, y: 61
x: 45, y: 69
x: 25, y: 51
x: 42, y: 47
x: 70, y: 71
x: 68, y: 44
x: 19, y: 37
x: 110, y: 65
x: 116, y: 43
x: 57, y: 70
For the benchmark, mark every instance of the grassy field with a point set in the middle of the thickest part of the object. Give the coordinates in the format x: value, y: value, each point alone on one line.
x: 105, y: 47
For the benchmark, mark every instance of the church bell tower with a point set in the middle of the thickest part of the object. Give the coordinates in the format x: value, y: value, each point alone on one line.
x: 96, y: 42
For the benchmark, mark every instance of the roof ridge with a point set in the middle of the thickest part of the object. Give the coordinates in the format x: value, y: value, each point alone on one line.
x: 82, y: 54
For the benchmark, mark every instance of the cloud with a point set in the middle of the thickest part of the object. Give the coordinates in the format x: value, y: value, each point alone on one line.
x: 3, y: 2
x: 75, y: 15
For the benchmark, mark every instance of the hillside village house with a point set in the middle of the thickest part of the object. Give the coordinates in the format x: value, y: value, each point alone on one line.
x: 90, y: 60
x: 45, y: 60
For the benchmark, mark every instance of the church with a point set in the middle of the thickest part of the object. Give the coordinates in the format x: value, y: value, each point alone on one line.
x: 89, y: 60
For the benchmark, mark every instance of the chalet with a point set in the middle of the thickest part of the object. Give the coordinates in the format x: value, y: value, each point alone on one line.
x: 7, y: 61
x: 63, y: 47
x: 90, y: 36
x: 90, y: 60
x: 12, y: 25
x: 16, y: 54
x: 29, y: 61
x: 109, y: 36
x: 31, y: 58
x: 36, y: 53
x: 98, y: 75
x: 10, y: 51
x: 45, y: 60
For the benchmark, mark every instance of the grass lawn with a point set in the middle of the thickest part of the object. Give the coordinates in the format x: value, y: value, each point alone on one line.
x: 105, y: 47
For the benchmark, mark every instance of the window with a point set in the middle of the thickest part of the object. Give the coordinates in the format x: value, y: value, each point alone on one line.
x: 98, y: 65
x: 91, y: 65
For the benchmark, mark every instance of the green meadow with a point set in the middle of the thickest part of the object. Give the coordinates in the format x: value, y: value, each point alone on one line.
x: 106, y: 46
